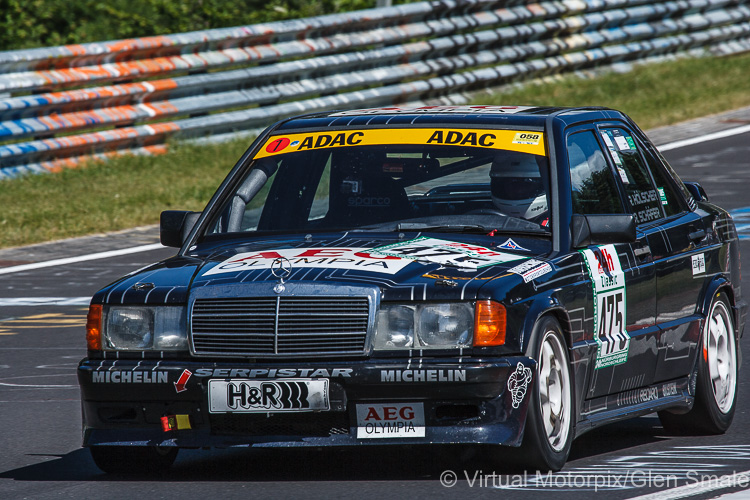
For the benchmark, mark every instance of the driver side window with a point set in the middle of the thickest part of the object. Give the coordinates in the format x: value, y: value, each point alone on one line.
x: 593, y: 187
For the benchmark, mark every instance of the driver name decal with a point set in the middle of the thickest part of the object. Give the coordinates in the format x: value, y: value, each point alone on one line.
x: 610, y: 305
x: 326, y: 257
x: 445, y: 253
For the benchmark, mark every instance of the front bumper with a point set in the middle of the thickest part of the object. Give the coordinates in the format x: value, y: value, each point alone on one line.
x: 457, y: 401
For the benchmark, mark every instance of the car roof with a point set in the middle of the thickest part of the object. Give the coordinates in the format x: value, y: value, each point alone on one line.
x: 473, y: 115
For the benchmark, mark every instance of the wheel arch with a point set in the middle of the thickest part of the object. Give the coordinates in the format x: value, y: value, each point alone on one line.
x: 546, y: 306
x: 719, y: 284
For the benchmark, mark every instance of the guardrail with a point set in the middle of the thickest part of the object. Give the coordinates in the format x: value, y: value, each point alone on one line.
x: 65, y: 105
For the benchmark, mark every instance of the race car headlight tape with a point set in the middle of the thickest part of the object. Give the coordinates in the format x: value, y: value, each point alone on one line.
x: 127, y: 328
x: 424, y: 326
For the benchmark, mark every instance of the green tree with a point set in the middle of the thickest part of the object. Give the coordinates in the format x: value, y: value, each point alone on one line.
x: 44, y: 23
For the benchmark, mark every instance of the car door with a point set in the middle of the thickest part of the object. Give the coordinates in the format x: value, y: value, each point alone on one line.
x: 622, y: 296
x: 685, y: 250
x: 676, y: 240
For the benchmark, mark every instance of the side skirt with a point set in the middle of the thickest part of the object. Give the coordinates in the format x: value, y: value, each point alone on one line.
x: 673, y: 394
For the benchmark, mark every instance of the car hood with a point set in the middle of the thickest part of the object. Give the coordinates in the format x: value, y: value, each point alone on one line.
x: 403, y: 266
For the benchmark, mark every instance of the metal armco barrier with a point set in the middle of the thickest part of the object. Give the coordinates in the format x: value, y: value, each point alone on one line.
x: 65, y: 105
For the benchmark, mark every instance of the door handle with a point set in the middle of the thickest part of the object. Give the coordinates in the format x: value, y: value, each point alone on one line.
x: 698, y: 235
x: 642, y: 252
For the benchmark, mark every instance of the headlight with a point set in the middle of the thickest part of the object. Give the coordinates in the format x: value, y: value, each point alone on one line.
x: 445, y: 325
x: 424, y: 326
x: 395, y: 328
x: 127, y: 328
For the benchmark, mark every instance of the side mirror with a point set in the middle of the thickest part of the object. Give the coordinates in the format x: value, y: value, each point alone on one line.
x: 601, y: 229
x: 175, y: 225
x: 699, y: 194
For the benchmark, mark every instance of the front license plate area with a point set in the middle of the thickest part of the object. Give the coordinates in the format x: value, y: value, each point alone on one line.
x: 267, y: 396
x: 396, y: 420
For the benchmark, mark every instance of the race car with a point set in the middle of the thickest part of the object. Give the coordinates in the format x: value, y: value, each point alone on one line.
x: 504, y: 276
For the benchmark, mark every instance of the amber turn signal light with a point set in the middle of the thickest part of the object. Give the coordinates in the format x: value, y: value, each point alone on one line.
x: 489, y: 324
x: 94, y: 328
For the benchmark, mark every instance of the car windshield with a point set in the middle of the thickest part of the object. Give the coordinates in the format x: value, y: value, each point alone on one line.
x: 484, y: 186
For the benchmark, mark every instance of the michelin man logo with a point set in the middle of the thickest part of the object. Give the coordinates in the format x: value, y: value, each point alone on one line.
x: 518, y: 383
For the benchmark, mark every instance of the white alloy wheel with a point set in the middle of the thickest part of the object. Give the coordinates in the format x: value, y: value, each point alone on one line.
x: 554, y: 391
x: 720, y: 354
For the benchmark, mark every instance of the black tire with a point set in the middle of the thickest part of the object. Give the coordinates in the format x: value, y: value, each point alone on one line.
x: 133, y: 459
x: 548, y: 434
x: 716, y: 384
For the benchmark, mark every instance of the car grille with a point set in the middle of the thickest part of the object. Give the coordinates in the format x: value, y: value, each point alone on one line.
x: 280, y: 326
x: 323, y: 424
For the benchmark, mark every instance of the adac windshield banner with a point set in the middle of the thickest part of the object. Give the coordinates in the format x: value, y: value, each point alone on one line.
x: 511, y: 140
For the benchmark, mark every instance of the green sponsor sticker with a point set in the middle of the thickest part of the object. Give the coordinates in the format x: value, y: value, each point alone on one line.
x: 663, y: 196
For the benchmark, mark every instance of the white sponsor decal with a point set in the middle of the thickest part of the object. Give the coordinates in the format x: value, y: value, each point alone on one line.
x: 527, y: 138
x: 613, y: 151
x: 264, y: 396
x: 531, y: 269
x: 669, y: 389
x: 402, y: 420
x: 274, y: 372
x: 518, y: 383
x: 129, y: 377
x: 512, y: 245
x: 621, y: 142
x: 699, y: 264
x: 436, y: 109
x: 447, y: 253
x: 328, y: 257
x: 423, y: 375
x: 610, y: 305
x: 623, y: 175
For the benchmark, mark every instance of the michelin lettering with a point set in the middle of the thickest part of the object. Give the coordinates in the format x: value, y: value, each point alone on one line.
x: 423, y: 375
x: 129, y: 377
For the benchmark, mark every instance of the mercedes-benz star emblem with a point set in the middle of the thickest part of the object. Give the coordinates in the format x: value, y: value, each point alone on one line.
x: 281, y: 268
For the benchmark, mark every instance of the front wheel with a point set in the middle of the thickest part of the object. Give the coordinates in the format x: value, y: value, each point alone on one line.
x: 716, y: 387
x: 549, y: 424
x: 133, y: 459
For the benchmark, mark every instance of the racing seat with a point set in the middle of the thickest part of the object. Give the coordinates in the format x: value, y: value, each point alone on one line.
x: 362, y: 194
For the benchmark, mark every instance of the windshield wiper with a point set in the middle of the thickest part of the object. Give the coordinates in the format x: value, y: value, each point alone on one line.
x: 448, y: 228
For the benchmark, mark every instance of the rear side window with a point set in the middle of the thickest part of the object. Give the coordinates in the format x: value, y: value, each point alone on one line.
x: 593, y: 187
x: 667, y: 183
x: 643, y: 196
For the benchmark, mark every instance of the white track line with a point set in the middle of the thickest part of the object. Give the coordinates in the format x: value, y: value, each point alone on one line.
x: 80, y: 258
x: 734, y: 480
x: 45, y: 301
x: 704, y: 138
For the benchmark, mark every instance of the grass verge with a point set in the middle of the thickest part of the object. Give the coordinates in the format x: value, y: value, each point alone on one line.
x: 122, y: 193
x: 653, y: 95
x: 132, y: 191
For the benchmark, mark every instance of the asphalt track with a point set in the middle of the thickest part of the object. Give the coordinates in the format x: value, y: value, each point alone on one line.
x: 44, y: 291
